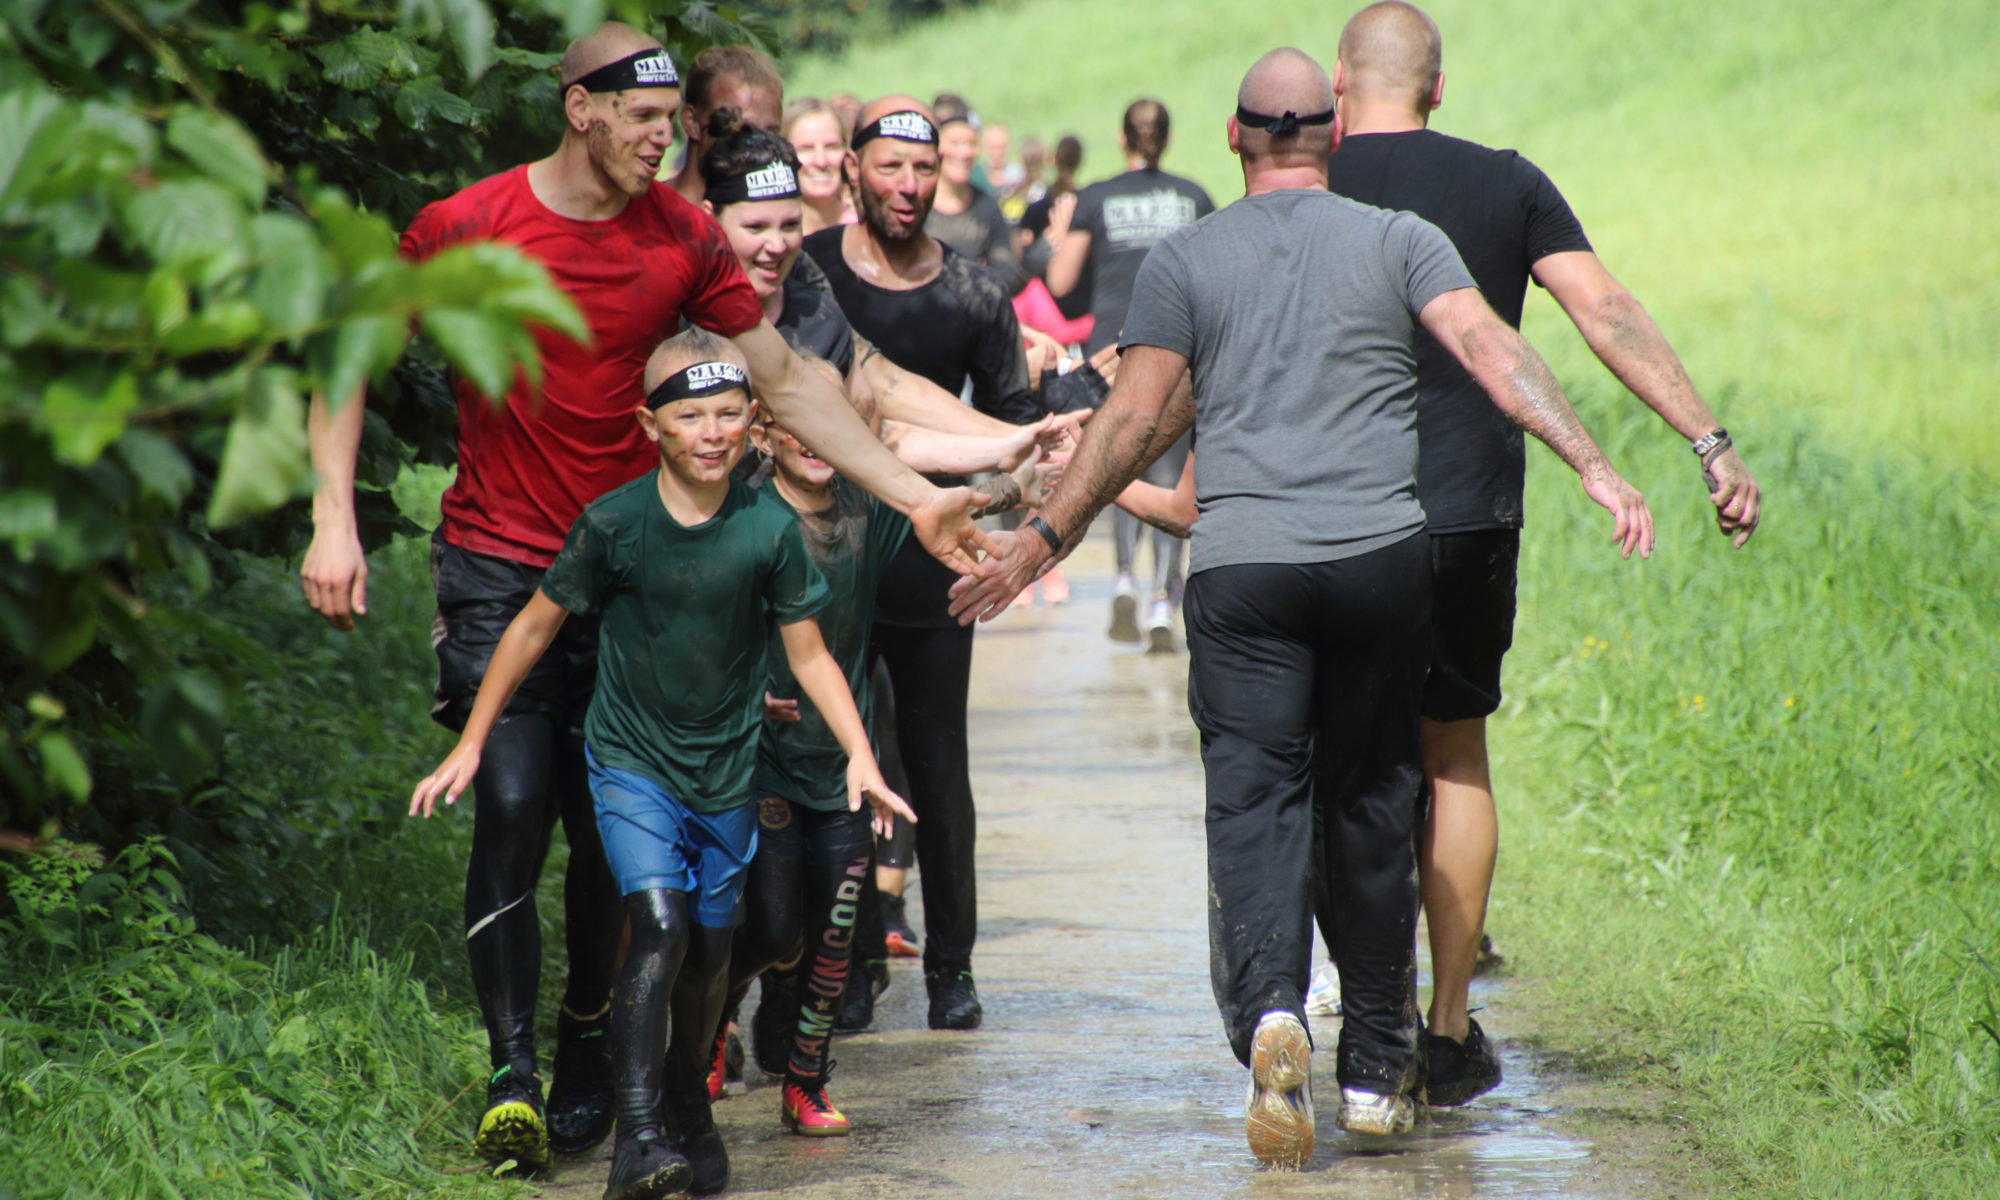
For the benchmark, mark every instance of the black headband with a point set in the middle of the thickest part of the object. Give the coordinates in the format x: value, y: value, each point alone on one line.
x: 906, y: 125
x: 701, y: 379
x: 1280, y: 126
x: 645, y: 69
x: 774, y: 182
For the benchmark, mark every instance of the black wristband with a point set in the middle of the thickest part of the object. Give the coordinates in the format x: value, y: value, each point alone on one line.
x: 1048, y: 535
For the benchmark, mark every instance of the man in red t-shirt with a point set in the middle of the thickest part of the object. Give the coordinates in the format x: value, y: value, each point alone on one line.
x: 636, y: 259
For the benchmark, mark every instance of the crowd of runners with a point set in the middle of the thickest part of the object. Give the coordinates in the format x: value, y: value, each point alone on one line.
x: 705, y: 589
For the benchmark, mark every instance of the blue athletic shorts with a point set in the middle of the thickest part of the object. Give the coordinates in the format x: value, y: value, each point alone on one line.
x: 654, y: 841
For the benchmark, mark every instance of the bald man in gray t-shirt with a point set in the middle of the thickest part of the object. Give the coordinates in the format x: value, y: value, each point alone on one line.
x: 1282, y: 330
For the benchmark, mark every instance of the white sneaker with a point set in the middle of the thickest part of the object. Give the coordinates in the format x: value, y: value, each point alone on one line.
x: 1160, y: 628
x: 1124, y: 609
x: 1278, y: 1115
x: 1323, y: 998
x: 1373, y: 1112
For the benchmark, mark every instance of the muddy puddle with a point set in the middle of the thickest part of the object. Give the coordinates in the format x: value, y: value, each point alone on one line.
x: 1101, y: 1069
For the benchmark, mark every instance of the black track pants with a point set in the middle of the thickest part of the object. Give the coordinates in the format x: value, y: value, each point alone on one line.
x: 1304, y: 681
x: 530, y: 776
x: 932, y: 671
x: 640, y: 1011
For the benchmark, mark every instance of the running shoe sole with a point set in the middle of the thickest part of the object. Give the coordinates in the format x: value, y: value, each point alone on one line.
x: 1124, y: 619
x: 1160, y: 640
x: 799, y: 1127
x: 898, y: 948
x: 1278, y: 1116
x: 513, y: 1130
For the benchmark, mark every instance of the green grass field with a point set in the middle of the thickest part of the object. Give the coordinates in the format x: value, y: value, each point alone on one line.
x: 1750, y: 848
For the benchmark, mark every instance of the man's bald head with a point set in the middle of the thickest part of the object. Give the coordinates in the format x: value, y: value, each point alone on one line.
x: 603, y: 46
x: 1285, y: 81
x: 1392, y: 53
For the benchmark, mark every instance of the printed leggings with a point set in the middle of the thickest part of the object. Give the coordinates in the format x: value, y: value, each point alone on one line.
x: 801, y: 900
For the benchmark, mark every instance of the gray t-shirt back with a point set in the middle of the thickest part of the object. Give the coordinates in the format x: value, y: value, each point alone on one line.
x: 1297, y: 311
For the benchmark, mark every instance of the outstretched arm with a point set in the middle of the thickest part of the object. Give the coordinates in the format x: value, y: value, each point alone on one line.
x: 1169, y: 509
x: 930, y: 451
x: 1623, y: 336
x: 906, y: 396
x: 520, y: 648
x: 335, y: 574
x: 815, y: 412
x: 1135, y: 426
x: 821, y: 680
x: 1521, y: 385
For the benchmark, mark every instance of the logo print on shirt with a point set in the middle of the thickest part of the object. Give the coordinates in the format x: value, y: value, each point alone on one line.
x: 657, y: 71
x: 1136, y: 221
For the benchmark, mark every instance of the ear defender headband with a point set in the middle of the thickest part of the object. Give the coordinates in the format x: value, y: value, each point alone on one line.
x: 774, y: 182
x: 645, y: 69
x: 701, y: 379
x: 905, y: 126
x: 1280, y: 126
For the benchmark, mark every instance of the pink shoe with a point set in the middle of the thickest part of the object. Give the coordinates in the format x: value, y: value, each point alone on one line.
x: 1055, y: 589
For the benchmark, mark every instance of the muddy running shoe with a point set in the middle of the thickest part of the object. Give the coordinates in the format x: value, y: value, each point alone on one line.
x: 857, y: 1003
x: 772, y: 1024
x: 579, y: 1109
x: 699, y: 1139
x: 513, y: 1128
x: 1489, y: 960
x: 1459, y: 1071
x: 646, y: 1166
x: 1363, y: 1111
x: 954, y: 999
x: 902, y: 940
x: 1278, y: 1115
x: 1124, y: 610
x: 807, y: 1112
x: 1160, y: 628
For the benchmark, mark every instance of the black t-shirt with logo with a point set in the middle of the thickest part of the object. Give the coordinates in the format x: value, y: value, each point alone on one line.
x: 1503, y: 215
x: 1125, y: 217
x: 957, y: 330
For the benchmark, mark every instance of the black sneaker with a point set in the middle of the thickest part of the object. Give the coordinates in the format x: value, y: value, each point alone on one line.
x: 513, y: 1127
x: 646, y: 1166
x: 772, y: 1024
x: 857, y: 1004
x: 699, y: 1139
x: 901, y: 939
x: 580, y: 1112
x: 1459, y: 1071
x: 954, y: 999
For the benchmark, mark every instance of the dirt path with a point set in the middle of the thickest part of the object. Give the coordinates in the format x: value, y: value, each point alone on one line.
x: 1101, y: 1069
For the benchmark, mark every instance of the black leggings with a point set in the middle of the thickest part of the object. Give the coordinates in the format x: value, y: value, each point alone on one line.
x: 674, y: 968
x: 932, y: 671
x: 530, y: 776
x: 801, y: 899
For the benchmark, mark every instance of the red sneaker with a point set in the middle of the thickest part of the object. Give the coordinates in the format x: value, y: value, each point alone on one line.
x: 807, y: 1111
x: 718, y: 1072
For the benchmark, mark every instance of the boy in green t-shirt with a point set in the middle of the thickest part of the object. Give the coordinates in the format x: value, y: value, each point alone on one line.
x: 689, y: 570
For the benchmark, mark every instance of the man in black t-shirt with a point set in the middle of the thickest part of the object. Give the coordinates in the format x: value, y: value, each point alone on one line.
x: 941, y: 315
x: 1509, y: 224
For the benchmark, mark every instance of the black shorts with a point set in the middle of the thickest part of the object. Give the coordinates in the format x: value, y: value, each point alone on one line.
x: 1472, y: 614
x: 478, y: 596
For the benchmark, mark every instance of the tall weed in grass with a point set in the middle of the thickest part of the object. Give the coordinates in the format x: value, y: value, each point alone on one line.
x: 1749, y: 808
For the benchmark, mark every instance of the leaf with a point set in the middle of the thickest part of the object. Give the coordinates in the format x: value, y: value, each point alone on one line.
x: 62, y: 765
x: 419, y: 101
x: 363, y: 59
x: 476, y: 344
x: 264, y: 456
x: 357, y: 350
x: 26, y: 517
x: 182, y: 721
x: 157, y: 464
x: 357, y: 238
x: 34, y: 126
x: 289, y: 291
x: 470, y: 24
x: 184, y: 218
x: 81, y: 425
x: 223, y: 149
x: 165, y: 299
x: 227, y: 323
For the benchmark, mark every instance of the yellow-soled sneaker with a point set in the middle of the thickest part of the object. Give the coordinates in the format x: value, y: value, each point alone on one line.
x: 807, y: 1110
x: 513, y: 1127
x: 1278, y: 1116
